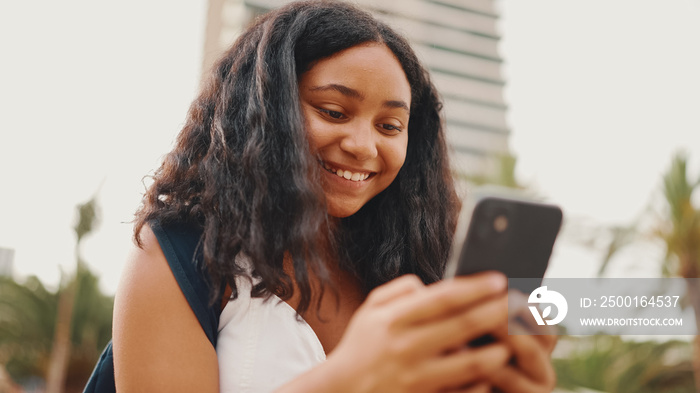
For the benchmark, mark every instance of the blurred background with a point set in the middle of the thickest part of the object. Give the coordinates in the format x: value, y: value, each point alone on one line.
x: 592, y: 105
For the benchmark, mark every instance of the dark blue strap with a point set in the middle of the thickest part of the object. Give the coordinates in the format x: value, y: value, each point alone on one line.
x: 180, y: 245
x: 102, y: 378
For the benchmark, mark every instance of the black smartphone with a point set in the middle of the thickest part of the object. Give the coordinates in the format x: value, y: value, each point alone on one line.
x: 508, y: 235
x: 512, y: 236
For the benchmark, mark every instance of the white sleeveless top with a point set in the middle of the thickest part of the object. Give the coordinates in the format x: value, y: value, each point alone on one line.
x: 262, y: 344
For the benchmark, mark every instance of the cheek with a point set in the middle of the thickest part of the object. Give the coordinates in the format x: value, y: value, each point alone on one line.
x: 396, y: 154
x: 317, y: 133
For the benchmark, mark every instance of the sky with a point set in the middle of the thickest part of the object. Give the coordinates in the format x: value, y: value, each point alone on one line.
x: 601, y: 93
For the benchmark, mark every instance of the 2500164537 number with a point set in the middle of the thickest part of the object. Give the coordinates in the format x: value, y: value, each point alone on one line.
x: 639, y: 301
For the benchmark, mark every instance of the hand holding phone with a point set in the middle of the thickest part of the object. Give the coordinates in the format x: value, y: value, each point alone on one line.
x: 512, y: 236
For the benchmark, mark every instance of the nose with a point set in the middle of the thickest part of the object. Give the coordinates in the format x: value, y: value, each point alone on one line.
x: 359, y: 140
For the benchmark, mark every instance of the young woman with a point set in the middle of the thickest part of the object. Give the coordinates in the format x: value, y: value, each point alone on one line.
x: 289, y: 238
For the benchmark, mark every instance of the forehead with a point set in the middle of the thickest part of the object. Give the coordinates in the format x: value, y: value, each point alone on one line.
x: 373, y: 68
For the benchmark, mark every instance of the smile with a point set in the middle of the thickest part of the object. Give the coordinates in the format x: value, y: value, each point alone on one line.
x: 346, y: 174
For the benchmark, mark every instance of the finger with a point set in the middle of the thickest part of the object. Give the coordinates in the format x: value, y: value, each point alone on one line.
x: 466, y: 366
x: 476, y: 388
x: 395, y: 288
x: 534, y: 364
x: 510, y: 380
x: 447, y: 297
x: 455, y: 331
x: 531, y: 358
x: 519, y: 313
x: 521, y: 321
x: 551, y: 342
x: 548, y: 342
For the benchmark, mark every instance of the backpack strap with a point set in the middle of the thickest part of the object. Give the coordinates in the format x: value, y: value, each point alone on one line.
x: 180, y: 245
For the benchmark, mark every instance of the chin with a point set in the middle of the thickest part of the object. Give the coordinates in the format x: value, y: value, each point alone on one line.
x: 342, y: 210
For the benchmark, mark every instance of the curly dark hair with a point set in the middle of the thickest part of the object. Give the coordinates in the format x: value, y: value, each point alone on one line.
x: 242, y: 168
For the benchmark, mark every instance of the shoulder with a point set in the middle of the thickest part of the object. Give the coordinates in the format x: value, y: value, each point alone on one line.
x: 151, y: 313
x: 146, y: 264
x: 147, y: 271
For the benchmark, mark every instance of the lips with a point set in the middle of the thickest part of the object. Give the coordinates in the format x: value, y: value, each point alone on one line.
x: 347, y: 174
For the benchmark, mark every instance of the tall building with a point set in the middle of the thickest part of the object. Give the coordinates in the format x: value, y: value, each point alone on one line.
x: 456, y: 39
x: 7, y: 256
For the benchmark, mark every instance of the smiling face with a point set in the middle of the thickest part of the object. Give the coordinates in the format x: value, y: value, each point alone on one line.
x: 356, y: 107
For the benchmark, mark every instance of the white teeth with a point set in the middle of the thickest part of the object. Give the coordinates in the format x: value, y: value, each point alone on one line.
x: 347, y: 174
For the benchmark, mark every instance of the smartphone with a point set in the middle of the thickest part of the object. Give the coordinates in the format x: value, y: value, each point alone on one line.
x: 509, y: 235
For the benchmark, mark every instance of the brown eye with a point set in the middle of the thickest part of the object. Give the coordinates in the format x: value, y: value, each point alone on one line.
x: 391, y: 129
x: 333, y: 114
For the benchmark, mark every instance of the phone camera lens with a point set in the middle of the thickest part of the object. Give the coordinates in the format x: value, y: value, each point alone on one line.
x: 500, y: 223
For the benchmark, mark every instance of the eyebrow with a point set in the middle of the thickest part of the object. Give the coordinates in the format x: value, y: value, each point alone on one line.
x: 352, y: 93
x: 344, y: 90
x: 396, y: 104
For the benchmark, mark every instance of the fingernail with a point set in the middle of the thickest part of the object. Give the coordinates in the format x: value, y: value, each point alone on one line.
x: 499, y: 281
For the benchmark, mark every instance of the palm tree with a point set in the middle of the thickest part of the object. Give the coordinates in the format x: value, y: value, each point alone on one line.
x: 61, y: 351
x: 27, y: 319
x: 91, y: 329
x: 679, y: 229
x: 27, y: 326
x: 610, y: 364
x: 57, y: 335
x: 681, y: 234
